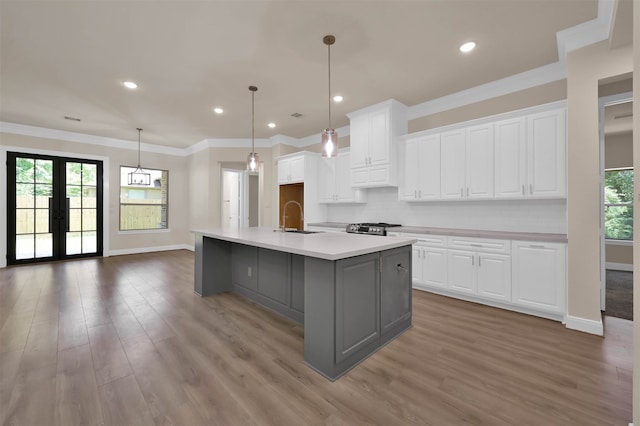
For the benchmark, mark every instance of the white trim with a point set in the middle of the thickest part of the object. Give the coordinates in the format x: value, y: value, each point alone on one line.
x: 618, y: 242
x: 143, y: 231
x: 584, y: 325
x: 41, y: 132
x: 140, y: 250
x: 3, y: 192
x: 619, y: 266
x: 587, y: 33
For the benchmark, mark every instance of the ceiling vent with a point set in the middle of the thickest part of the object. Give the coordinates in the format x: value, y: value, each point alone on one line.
x: 296, y: 115
x: 66, y: 117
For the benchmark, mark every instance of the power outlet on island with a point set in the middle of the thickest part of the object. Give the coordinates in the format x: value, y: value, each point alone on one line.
x: 249, y: 271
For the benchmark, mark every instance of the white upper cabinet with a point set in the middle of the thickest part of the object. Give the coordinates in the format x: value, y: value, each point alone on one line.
x: 373, y: 151
x: 523, y: 156
x: 530, y: 156
x: 546, y: 139
x: 421, y: 169
x: 467, y: 163
x: 334, y: 185
x: 510, y: 158
x: 291, y: 170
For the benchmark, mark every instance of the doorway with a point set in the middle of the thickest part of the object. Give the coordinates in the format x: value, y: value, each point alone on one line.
x: 54, y: 208
x: 232, y: 205
x: 617, y: 176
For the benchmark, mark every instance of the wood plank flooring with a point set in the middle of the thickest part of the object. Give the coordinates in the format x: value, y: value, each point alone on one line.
x: 125, y: 341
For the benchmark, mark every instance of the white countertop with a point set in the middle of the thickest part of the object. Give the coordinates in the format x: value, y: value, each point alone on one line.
x: 323, y: 245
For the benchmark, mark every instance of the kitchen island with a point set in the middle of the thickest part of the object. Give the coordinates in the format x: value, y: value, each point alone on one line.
x: 351, y: 292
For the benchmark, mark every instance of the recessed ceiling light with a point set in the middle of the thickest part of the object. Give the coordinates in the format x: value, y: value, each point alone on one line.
x: 337, y: 98
x: 467, y: 47
x: 272, y: 125
x: 218, y: 110
x: 130, y: 85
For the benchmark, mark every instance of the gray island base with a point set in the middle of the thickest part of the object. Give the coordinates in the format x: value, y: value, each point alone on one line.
x: 351, y: 292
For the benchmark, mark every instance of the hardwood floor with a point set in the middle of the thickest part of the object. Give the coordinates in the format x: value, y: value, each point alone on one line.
x: 125, y: 341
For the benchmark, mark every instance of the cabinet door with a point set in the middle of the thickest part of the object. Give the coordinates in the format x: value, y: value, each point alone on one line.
x: 284, y: 170
x: 410, y: 174
x: 546, y: 167
x: 297, y: 169
x: 379, y: 138
x: 452, y: 163
x: 479, y: 162
x: 357, y: 304
x: 538, y: 279
x: 416, y: 261
x: 395, y: 290
x: 434, y: 266
x: 428, y: 166
x: 494, y: 276
x: 327, y: 180
x: 274, y: 281
x: 462, y: 271
x: 510, y: 146
x: 359, y: 129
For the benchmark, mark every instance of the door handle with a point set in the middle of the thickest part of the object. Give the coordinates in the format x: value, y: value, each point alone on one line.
x: 52, y: 214
x: 401, y: 268
x: 67, y: 214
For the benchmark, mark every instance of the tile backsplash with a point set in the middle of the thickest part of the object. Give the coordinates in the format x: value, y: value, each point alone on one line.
x: 545, y: 216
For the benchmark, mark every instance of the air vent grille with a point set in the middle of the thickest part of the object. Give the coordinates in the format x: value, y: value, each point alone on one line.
x: 66, y: 117
x: 296, y: 115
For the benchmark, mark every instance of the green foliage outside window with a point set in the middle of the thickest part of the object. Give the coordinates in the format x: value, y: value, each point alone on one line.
x: 618, y: 199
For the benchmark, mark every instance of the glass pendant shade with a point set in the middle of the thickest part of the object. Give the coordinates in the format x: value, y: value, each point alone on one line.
x: 329, y: 143
x: 253, y: 162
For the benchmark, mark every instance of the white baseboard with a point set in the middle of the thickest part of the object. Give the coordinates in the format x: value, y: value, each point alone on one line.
x: 619, y: 266
x: 584, y: 325
x: 150, y: 249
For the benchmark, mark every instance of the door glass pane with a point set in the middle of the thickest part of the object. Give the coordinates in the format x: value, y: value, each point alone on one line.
x: 89, y: 174
x: 74, y: 173
x: 24, y: 195
x: 25, y: 221
x: 42, y: 220
x: 74, y: 242
x: 74, y: 193
x: 75, y: 220
x: 24, y: 170
x: 43, y: 193
x: 89, y: 242
x: 89, y: 197
x: 44, y: 171
x: 89, y: 222
x: 44, y: 245
x: 25, y: 246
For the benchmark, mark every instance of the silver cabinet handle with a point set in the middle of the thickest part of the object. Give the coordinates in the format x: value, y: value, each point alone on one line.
x: 467, y: 192
x: 476, y: 245
x: 472, y: 261
x: 536, y: 246
x: 523, y: 189
x: 461, y: 192
x: 479, y: 261
x: 531, y: 188
x: 415, y: 194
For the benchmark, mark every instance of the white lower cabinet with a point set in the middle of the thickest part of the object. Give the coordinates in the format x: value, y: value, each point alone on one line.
x: 526, y: 276
x: 483, y: 274
x: 430, y: 263
x: 539, y: 276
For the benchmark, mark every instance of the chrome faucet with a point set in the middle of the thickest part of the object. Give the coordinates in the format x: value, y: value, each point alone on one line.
x: 284, y: 210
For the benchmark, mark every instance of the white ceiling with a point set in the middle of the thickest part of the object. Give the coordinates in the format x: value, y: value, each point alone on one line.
x: 68, y: 58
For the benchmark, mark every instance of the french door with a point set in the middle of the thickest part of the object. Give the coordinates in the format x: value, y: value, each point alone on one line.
x: 54, y: 208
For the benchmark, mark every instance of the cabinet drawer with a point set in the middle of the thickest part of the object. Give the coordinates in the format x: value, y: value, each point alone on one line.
x: 480, y: 244
x: 428, y: 240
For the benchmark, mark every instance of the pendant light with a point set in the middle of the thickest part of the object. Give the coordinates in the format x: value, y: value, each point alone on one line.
x: 329, y: 135
x: 253, y: 161
x: 139, y: 176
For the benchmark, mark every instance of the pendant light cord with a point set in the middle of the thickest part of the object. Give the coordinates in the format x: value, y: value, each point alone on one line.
x: 329, y: 61
x: 252, y: 120
x: 139, y: 130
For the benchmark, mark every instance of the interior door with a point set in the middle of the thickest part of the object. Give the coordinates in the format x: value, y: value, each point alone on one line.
x: 54, y: 208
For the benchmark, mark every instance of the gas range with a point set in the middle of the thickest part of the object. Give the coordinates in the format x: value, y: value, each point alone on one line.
x: 370, y: 228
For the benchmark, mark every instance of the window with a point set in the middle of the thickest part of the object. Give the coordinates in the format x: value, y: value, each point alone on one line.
x: 618, y: 204
x: 144, y: 206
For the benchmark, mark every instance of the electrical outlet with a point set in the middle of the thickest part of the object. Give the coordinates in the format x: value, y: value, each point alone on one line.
x: 249, y: 271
